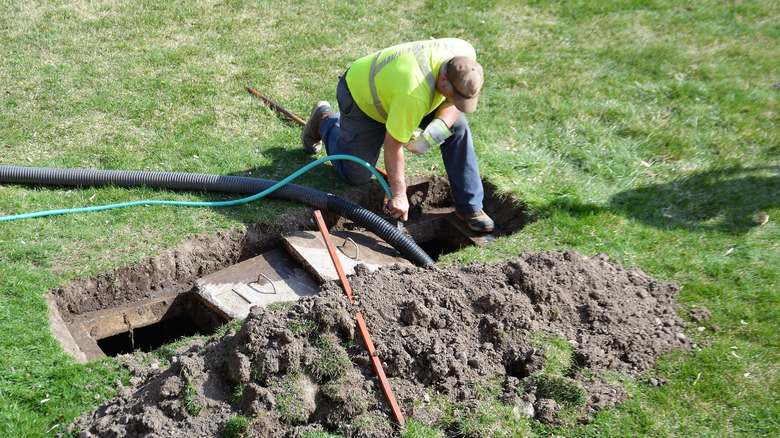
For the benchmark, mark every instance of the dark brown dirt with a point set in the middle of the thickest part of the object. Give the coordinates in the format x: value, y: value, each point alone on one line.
x: 544, y: 330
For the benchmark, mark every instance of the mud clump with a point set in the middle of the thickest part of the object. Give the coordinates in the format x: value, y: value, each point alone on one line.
x: 538, y: 333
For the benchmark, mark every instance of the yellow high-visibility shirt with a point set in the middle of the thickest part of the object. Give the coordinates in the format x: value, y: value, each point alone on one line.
x: 397, y: 86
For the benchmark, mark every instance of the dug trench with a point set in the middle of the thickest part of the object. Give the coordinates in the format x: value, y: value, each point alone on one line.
x: 547, y: 337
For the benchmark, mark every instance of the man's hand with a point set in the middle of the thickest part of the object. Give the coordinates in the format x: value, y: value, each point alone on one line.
x: 448, y: 113
x: 394, y: 166
x: 409, y: 146
x: 398, y: 207
x: 434, y: 135
x: 436, y: 132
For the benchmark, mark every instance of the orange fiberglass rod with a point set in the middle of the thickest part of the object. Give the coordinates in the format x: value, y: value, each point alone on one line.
x: 334, y: 256
x: 380, y: 371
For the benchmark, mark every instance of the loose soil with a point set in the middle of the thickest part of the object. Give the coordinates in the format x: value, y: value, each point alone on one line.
x: 546, y: 333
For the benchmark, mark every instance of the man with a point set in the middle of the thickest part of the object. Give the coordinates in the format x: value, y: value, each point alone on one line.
x: 384, y: 97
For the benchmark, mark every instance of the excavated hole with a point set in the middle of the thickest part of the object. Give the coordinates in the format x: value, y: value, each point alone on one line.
x: 150, y: 337
x: 187, y: 316
x: 153, y: 302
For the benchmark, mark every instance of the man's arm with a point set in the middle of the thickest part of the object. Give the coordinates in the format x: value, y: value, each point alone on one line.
x: 448, y: 113
x: 394, y: 165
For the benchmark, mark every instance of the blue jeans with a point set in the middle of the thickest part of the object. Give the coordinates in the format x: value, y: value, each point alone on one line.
x: 352, y: 132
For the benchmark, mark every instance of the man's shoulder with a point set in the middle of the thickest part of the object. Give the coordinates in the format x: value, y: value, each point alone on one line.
x: 449, y: 47
x: 449, y: 42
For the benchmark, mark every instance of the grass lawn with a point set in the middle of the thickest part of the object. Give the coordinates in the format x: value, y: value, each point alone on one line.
x: 647, y: 130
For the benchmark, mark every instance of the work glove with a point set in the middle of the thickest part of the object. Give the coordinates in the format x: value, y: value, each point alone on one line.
x: 433, y: 135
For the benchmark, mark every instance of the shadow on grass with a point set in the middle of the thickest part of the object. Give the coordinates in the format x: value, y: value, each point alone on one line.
x: 285, y: 161
x: 725, y: 200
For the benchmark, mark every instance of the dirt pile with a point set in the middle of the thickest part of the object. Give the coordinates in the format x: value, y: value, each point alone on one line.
x: 538, y: 333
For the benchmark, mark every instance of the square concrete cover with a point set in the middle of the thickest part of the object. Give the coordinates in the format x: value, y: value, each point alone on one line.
x: 352, y: 247
x: 268, y: 278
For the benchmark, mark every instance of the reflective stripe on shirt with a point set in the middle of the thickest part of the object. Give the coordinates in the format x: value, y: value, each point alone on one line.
x: 376, y: 67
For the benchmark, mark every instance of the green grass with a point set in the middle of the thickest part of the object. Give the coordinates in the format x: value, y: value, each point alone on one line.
x: 332, y: 362
x: 495, y: 420
x: 568, y: 393
x: 190, y: 396
x: 320, y: 434
x: 558, y: 353
x: 236, y: 427
x: 484, y: 417
x: 289, y: 396
x: 417, y: 429
x: 643, y: 129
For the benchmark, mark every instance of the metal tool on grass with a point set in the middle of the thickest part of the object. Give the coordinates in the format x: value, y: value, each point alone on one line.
x: 277, y: 107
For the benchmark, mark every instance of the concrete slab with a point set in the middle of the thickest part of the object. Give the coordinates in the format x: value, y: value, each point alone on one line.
x: 62, y: 333
x: 268, y: 278
x: 353, y: 248
x: 104, y: 323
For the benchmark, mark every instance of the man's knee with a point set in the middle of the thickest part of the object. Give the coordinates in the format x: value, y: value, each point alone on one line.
x: 356, y: 175
x: 358, y: 180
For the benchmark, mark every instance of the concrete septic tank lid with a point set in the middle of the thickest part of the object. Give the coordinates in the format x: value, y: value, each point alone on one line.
x: 353, y: 248
x: 272, y: 277
x: 259, y: 281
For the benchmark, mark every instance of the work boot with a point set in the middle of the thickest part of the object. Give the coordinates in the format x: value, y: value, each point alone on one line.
x: 477, y: 221
x: 311, y: 132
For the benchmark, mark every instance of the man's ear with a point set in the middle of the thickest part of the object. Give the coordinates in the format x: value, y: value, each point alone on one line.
x: 443, y: 83
x: 447, y: 84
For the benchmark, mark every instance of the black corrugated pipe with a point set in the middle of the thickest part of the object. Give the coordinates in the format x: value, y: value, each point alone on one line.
x: 224, y: 184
